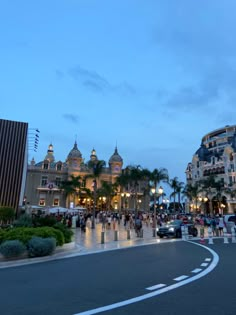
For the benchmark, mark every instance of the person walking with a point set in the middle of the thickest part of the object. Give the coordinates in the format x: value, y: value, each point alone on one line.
x: 221, y: 225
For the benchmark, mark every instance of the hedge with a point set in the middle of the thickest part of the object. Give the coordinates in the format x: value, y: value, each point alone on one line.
x: 24, y: 234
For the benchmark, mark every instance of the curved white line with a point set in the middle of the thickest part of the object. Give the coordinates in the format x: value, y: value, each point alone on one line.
x: 163, y: 290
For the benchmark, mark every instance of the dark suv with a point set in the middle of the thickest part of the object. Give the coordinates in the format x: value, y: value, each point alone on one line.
x: 173, y: 229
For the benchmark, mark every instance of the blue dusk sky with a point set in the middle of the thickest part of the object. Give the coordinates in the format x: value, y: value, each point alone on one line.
x: 150, y: 76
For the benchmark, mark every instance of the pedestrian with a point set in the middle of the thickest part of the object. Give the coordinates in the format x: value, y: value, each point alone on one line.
x: 221, y: 225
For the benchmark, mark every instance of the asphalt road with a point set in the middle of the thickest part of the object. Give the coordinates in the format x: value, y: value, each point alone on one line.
x: 85, y: 283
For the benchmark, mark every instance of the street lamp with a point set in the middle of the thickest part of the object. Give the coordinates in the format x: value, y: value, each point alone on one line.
x: 203, y: 201
x: 156, y: 194
x: 94, y: 202
x: 125, y: 197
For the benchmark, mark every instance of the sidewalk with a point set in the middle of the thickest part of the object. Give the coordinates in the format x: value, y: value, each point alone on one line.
x: 91, y: 241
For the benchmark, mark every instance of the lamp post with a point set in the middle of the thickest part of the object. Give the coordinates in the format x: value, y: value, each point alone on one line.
x: 203, y: 201
x: 94, y: 202
x: 155, y: 196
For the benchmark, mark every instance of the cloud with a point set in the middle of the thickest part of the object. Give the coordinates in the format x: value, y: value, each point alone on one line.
x: 59, y: 74
x: 95, y: 82
x: 90, y: 79
x: 71, y: 118
x: 217, y: 87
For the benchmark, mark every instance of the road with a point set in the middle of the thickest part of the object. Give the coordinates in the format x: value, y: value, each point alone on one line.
x: 83, y: 284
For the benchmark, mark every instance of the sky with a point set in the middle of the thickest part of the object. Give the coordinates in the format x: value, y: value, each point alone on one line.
x: 151, y: 77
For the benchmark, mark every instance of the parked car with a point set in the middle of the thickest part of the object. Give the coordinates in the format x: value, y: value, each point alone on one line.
x: 173, y: 229
x: 230, y: 221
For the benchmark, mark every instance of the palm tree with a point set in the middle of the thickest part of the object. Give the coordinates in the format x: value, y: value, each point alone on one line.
x: 72, y: 186
x: 96, y: 167
x: 210, y: 184
x: 134, y: 177
x: 192, y: 192
x: 107, y: 190
x: 154, y: 179
x: 177, y: 187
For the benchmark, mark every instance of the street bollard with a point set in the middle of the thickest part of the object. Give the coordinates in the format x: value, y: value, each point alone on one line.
x: 154, y: 232
x: 183, y: 232
x: 102, y: 237
x: 233, y: 235
x: 186, y: 233
x: 128, y: 234
x: 141, y: 233
x: 202, y: 241
x: 226, y: 241
x: 210, y: 236
x: 115, y: 235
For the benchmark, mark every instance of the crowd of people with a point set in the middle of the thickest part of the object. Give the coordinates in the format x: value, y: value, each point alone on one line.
x: 136, y: 221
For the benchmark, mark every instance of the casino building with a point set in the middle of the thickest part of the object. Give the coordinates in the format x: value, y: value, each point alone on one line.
x: 43, y: 182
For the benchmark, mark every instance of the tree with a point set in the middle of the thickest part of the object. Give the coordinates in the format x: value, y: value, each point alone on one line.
x: 107, y: 190
x: 177, y: 187
x: 72, y: 186
x: 212, y: 185
x: 154, y: 178
x: 134, y: 177
x: 192, y: 192
x: 96, y: 167
x: 7, y: 214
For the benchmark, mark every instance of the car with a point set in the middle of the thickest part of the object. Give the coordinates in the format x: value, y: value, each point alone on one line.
x: 230, y: 221
x: 173, y: 229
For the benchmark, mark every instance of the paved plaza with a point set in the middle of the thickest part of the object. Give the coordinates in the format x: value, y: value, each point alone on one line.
x: 100, y: 240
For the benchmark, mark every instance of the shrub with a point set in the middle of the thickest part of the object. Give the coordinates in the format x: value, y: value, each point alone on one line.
x: 44, y: 221
x: 38, y: 246
x: 25, y: 220
x: 24, y: 234
x: 12, y: 248
x: 6, y: 214
x: 65, y: 230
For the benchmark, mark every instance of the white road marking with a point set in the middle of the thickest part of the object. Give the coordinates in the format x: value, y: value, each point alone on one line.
x: 208, y: 259
x: 196, y: 270
x: 204, y: 264
x: 154, y: 287
x: 162, y: 290
x: 181, y: 278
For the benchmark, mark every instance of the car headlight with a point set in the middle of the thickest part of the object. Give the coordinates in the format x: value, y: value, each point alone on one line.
x: 171, y: 229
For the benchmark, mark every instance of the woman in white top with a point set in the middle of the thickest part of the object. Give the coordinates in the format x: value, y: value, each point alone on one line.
x: 221, y: 225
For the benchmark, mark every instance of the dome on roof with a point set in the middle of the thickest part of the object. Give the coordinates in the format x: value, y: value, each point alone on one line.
x: 50, y: 157
x: 116, y: 157
x: 203, y: 153
x: 75, y: 152
x: 93, y: 156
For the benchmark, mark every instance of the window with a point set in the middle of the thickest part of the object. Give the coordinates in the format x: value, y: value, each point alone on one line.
x: 45, y: 166
x: 59, y: 167
x: 56, y: 202
x: 42, y: 202
x: 58, y: 181
x: 44, y: 181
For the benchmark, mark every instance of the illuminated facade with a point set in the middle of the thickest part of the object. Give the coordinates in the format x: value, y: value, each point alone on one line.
x: 217, y: 156
x: 44, y: 179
